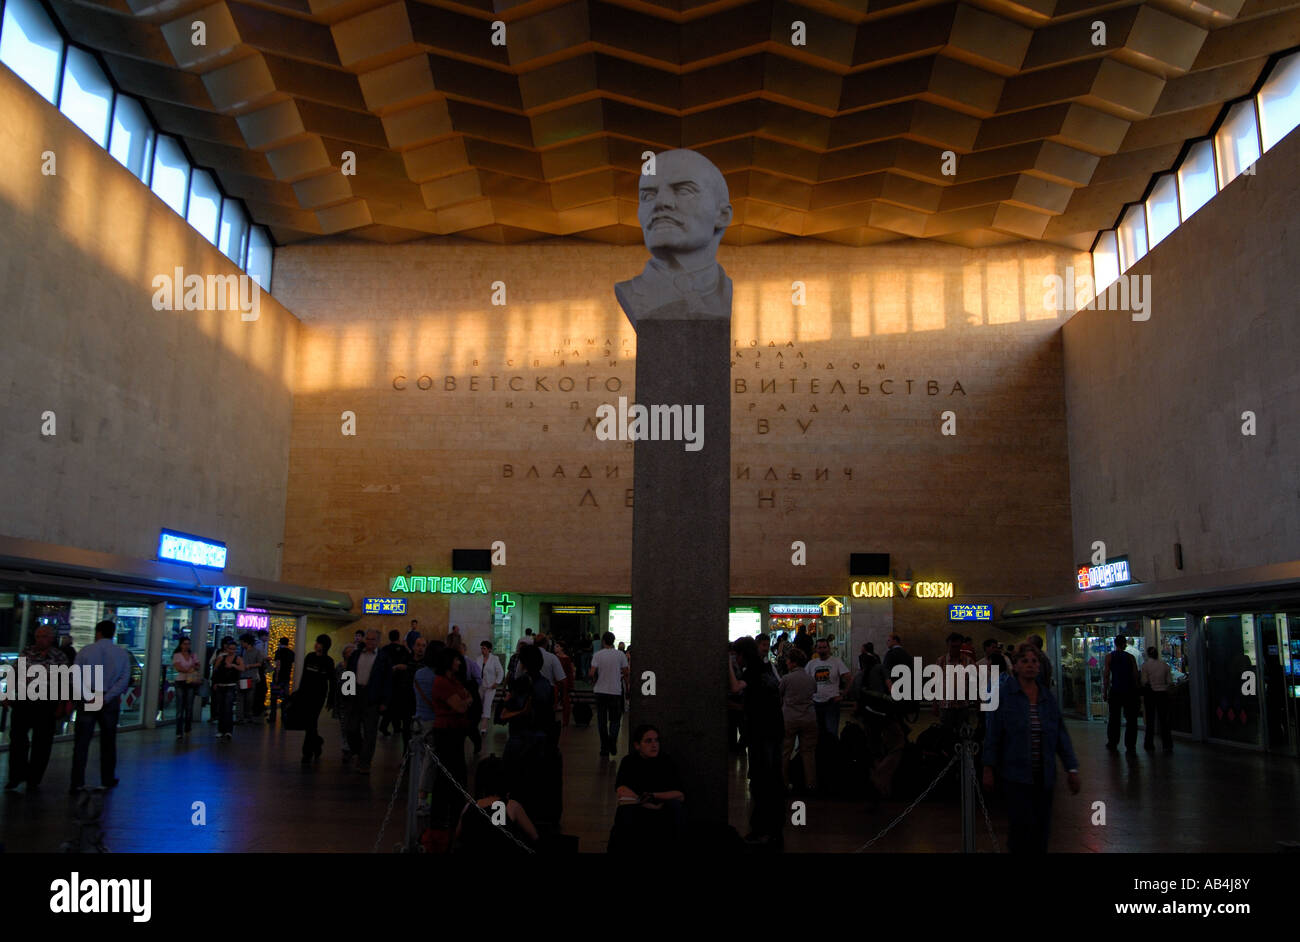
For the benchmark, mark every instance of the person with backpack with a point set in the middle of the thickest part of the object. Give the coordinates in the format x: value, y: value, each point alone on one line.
x: 1119, y: 686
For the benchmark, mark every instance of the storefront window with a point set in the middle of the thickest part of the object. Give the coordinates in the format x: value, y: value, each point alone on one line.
x: 133, y: 634
x: 1232, y: 677
x: 1083, y: 651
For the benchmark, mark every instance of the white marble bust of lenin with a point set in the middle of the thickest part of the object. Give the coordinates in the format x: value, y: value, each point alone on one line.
x: 684, y: 208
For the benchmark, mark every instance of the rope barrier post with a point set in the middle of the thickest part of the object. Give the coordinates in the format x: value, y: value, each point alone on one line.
x: 966, y: 746
x: 414, y: 772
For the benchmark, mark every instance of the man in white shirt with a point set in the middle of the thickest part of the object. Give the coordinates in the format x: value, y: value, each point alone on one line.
x: 609, y: 671
x: 831, y: 674
x: 1156, y: 678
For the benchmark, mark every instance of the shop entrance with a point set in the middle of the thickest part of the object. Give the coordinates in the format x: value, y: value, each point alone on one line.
x: 1083, y: 650
x: 1279, y: 680
x: 569, y: 624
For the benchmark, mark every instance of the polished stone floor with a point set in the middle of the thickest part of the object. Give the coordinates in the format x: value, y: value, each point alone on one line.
x: 258, y: 798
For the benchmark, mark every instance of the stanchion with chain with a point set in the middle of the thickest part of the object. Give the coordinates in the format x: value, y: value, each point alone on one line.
x: 979, y: 794
x: 919, y: 798
x: 433, y: 756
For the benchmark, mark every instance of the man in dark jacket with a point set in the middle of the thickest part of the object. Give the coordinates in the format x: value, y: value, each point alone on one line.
x: 401, y: 705
x: 371, y: 671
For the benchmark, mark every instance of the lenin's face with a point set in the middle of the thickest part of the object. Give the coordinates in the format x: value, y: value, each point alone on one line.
x: 678, y: 211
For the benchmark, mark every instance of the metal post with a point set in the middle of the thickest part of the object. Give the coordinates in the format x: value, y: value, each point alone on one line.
x: 966, y: 749
x: 415, y: 772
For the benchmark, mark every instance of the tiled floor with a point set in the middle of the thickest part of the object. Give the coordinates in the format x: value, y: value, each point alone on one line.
x: 258, y: 798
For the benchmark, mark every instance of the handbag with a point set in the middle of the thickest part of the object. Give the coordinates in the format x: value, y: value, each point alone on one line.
x: 246, y: 683
x: 293, y: 718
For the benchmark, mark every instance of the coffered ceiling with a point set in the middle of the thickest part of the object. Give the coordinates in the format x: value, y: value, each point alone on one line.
x: 840, y: 138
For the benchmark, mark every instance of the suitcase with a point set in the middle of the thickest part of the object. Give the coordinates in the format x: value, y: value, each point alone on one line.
x: 582, y: 714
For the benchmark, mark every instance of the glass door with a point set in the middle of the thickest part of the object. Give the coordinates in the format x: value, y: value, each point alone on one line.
x: 1277, y: 677
x: 1171, y: 634
x: 1232, y: 676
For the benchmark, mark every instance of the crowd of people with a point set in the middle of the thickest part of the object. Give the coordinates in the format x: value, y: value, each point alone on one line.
x: 786, y: 712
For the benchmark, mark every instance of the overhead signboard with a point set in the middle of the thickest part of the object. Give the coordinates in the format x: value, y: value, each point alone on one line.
x: 1111, y: 573
x: 177, y: 547
x: 794, y: 608
x: 888, y: 589
x: 253, y: 620
x: 446, y: 585
x: 229, y: 598
x: 975, y: 612
x: 383, y: 606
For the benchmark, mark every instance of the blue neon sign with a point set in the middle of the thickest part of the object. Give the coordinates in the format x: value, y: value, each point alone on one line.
x: 229, y: 598
x: 383, y: 606
x: 178, y: 547
x: 970, y: 612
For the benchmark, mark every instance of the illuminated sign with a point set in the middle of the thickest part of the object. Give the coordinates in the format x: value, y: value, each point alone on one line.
x: 743, y: 623
x: 970, y: 612
x: 383, y: 606
x: 873, y: 589
x: 933, y: 590
x: 792, y: 608
x: 253, y: 620
x: 573, y: 610
x: 447, y: 585
x: 229, y: 598
x: 177, y: 547
x: 884, y: 589
x: 505, y: 603
x: 1104, y: 576
x: 831, y: 606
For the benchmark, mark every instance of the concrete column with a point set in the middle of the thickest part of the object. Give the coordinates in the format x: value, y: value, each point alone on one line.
x: 680, y: 556
x: 151, y: 682
x: 301, y: 646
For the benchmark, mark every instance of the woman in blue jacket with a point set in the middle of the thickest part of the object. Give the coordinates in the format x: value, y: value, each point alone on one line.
x: 1025, y: 735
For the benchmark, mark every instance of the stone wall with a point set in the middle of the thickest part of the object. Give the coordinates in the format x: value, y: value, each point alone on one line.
x: 169, y: 418
x: 836, y: 418
x: 1157, y: 453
